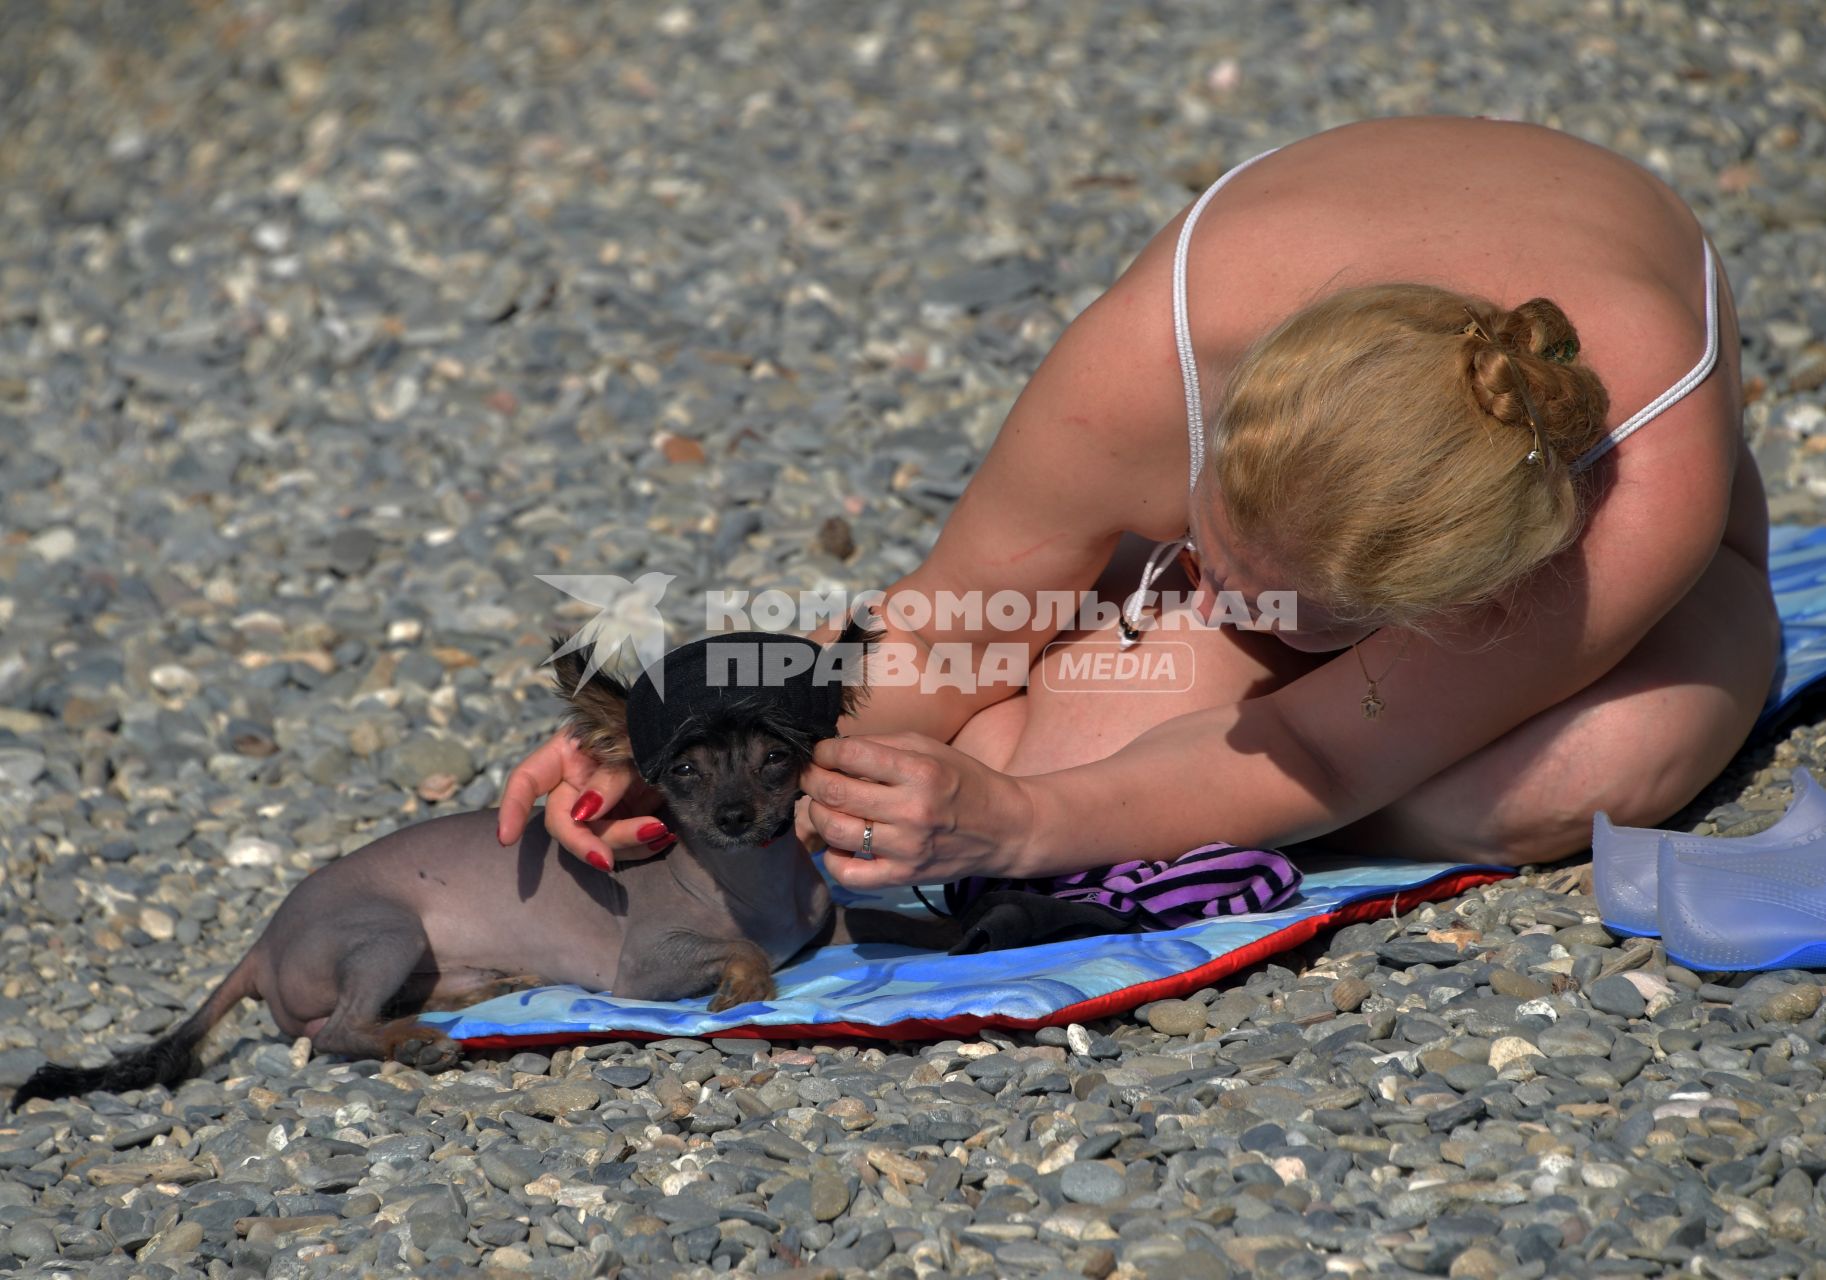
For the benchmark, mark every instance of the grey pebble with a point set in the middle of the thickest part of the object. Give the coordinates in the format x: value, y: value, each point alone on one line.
x: 1405, y: 954
x: 16, y: 1065
x: 352, y: 550
x: 32, y: 1241
x: 423, y: 756
x: 1091, y: 1182
x: 1618, y: 996
x: 21, y: 766
x: 1176, y: 1017
x: 1795, y: 1003
x: 1569, y: 1038
x: 1590, y: 935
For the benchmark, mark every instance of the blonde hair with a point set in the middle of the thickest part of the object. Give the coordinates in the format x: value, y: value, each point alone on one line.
x: 1376, y: 448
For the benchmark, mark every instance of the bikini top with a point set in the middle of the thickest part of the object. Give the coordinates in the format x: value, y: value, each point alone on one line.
x: 1195, y: 410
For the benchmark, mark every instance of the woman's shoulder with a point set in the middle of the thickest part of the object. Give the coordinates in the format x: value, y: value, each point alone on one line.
x: 1482, y: 206
x: 1501, y: 211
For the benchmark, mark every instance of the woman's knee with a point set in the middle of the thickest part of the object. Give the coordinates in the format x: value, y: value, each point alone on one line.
x: 1497, y: 834
x: 1454, y: 819
x: 1536, y: 839
x: 1638, y: 772
x: 1502, y: 809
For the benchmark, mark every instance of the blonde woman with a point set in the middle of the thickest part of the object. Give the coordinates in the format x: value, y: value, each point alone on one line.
x: 1470, y: 389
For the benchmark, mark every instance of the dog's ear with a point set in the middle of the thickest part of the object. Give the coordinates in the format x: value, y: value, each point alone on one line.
x: 853, y: 646
x: 598, y: 717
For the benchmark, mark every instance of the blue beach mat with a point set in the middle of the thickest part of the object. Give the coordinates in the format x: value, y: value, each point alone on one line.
x: 896, y: 993
x: 1797, y: 573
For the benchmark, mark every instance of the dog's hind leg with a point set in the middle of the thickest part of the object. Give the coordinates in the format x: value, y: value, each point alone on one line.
x: 391, y: 951
x: 419, y: 1045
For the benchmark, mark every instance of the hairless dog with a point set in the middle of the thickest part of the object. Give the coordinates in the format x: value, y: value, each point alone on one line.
x: 438, y: 915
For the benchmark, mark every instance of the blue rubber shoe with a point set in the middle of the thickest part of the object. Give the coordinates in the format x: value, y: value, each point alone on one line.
x: 1743, y: 909
x: 1625, y: 860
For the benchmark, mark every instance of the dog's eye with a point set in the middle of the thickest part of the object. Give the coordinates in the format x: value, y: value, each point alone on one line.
x: 775, y: 757
x: 683, y: 769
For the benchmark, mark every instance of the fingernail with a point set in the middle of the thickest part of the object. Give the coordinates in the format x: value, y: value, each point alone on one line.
x: 588, y: 805
x: 598, y: 859
x: 651, y: 832
x: 664, y: 842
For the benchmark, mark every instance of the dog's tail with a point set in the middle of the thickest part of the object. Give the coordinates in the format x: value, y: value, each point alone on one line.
x: 168, y: 1060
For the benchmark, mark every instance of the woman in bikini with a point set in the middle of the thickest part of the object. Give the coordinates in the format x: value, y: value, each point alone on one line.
x: 1470, y: 390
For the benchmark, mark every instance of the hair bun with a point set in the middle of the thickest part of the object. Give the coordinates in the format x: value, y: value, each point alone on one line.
x: 1528, y: 358
x: 1539, y: 328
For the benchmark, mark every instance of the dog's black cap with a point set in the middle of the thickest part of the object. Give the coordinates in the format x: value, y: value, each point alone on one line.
x: 709, y: 678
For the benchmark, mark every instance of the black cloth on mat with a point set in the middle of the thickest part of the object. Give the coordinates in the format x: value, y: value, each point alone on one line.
x: 1006, y: 918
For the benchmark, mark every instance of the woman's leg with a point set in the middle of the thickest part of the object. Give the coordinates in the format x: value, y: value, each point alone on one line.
x: 1076, y: 711
x: 1638, y: 744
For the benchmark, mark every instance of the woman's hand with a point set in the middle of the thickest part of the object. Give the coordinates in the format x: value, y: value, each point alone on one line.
x: 937, y: 813
x: 601, y: 813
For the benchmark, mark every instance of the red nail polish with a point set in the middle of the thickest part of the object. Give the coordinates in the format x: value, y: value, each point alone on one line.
x: 598, y: 859
x: 661, y: 844
x: 652, y: 831
x: 588, y: 805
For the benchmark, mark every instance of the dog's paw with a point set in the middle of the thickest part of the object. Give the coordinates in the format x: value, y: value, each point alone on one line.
x: 742, y: 985
x: 428, y: 1051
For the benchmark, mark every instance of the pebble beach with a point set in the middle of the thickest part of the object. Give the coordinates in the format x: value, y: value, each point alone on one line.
x: 326, y: 328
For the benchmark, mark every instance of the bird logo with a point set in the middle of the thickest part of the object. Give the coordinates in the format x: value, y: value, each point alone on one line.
x: 627, y: 613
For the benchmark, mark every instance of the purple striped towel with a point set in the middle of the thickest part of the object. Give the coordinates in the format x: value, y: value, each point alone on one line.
x: 1211, y: 880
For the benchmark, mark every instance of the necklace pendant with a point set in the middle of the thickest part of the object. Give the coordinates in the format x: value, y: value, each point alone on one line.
x: 1372, y: 705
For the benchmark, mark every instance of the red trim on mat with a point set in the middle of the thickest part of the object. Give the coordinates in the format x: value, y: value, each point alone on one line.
x: 1104, y: 1006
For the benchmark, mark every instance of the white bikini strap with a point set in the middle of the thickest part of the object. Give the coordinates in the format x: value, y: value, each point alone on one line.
x: 1159, y: 560
x: 1182, y: 325
x: 1667, y: 399
x: 1162, y: 556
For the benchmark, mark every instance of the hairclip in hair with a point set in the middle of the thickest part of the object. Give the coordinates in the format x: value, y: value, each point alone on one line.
x: 1562, y: 352
x: 1537, y: 455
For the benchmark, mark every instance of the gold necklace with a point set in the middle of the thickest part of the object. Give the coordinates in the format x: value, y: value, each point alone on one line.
x: 1371, y: 702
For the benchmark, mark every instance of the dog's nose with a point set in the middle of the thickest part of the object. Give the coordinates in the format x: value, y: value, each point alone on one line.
x: 733, y: 819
